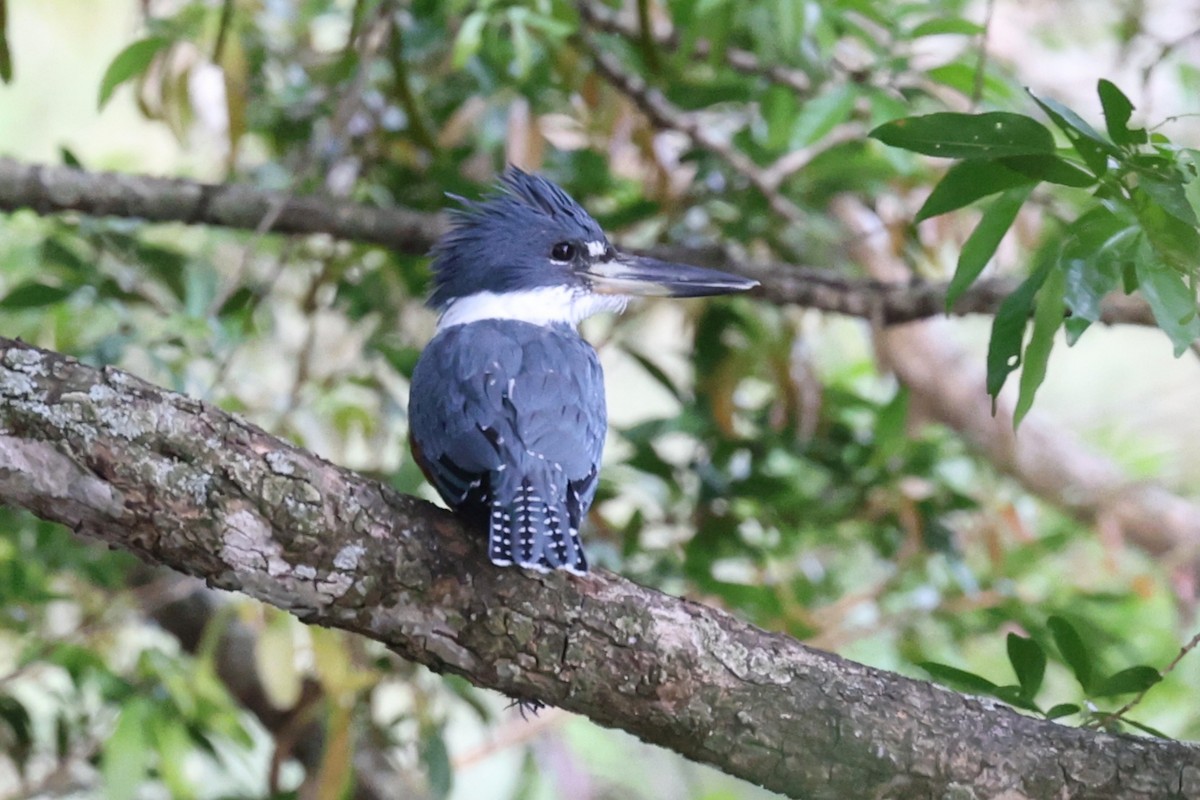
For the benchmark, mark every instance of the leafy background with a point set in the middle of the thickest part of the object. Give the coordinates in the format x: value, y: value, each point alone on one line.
x: 763, y: 460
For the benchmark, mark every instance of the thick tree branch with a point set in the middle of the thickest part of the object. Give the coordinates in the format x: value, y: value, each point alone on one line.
x: 184, y: 484
x: 54, y: 190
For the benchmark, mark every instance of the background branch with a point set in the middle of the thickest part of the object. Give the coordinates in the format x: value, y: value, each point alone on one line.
x: 1044, y: 458
x: 185, y: 608
x: 55, y: 190
x: 603, y: 19
x: 186, y: 485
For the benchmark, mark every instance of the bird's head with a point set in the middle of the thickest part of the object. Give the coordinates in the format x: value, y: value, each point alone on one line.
x: 530, y: 252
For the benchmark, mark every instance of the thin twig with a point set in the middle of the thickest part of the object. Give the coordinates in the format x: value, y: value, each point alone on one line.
x: 418, y: 128
x: 516, y: 731
x: 981, y: 64
x: 1104, y: 720
x: 663, y: 114
x: 645, y: 38
x: 1164, y: 52
x: 743, y: 61
x: 792, y: 162
x: 222, y: 31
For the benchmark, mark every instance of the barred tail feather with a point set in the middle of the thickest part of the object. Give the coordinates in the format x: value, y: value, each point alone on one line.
x: 535, y: 532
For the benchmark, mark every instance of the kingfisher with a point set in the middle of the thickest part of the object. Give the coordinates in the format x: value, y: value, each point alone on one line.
x: 507, y: 411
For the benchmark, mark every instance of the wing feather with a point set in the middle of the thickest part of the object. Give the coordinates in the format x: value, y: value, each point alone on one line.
x: 509, y: 419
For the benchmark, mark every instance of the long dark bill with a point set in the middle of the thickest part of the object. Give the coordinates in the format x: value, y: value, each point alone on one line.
x: 641, y: 275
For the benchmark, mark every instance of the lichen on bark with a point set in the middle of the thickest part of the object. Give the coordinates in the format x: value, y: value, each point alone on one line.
x: 186, y: 485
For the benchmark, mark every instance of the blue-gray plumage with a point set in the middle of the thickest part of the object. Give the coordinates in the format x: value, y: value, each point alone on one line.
x: 506, y: 410
x: 510, y: 419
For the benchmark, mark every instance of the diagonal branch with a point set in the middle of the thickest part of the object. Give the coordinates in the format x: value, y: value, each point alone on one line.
x: 186, y: 485
x: 55, y: 190
x: 663, y: 114
x: 1041, y: 456
x: 744, y: 61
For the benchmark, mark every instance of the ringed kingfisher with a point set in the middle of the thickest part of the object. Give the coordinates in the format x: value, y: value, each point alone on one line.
x: 506, y: 410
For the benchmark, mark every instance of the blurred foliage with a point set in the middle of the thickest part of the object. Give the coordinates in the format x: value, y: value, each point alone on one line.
x: 773, y: 470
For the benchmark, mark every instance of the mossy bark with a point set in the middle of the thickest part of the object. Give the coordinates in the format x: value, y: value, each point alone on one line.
x: 187, y: 485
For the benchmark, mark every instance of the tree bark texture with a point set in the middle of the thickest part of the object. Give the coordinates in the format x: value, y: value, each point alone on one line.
x: 184, y: 484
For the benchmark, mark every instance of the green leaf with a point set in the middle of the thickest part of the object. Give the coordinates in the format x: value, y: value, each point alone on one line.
x: 1094, y: 246
x: 1172, y: 301
x: 1072, y: 649
x: 891, y: 430
x: 958, y: 679
x: 469, y: 39
x: 1008, y: 328
x: 950, y: 135
x: 548, y: 25
x: 1051, y: 169
x: 6, y: 66
x: 129, y: 63
x: 436, y: 758
x: 1172, y: 196
x: 15, y: 717
x: 821, y: 114
x: 779, y: 111
x: 174, y: 745
x: 1074, y: 327
x: 1087, y: 141
x: 1175, y: 241
x: 69, y: 157
x: 940, y: 26
x: 1117, y: 111
x: 1127, y: 681
x: 1028, y: 662
x: 1047, y: 318
x: 982, y: 243
x: 169, y: 266
x: 241, y: 301
x: 275, y: 661
x: 62, y: 737
x: 657, y: 373
x: 60, y: 252
x: 1062, y: 710
x: 1015, y: 696
x: 962, y: 76
x: 1145, y: 728
x: 34, y: 295
x: 126, y: 753
x: 522, y: 44
x: 966, y: 182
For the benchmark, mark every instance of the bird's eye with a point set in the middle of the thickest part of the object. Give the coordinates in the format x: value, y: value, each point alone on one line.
x: 563, y: 251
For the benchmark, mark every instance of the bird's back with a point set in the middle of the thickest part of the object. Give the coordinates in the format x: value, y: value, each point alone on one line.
x: 507, y: 420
